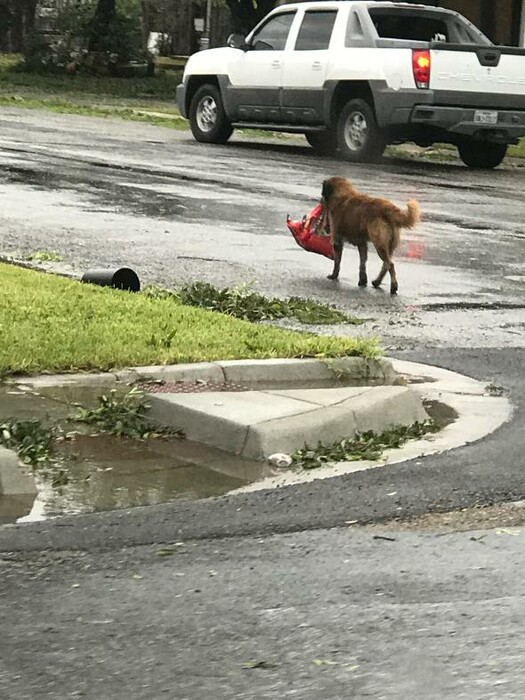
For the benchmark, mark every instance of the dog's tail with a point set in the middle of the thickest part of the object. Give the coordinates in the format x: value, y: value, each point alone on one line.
x: 412, y: 215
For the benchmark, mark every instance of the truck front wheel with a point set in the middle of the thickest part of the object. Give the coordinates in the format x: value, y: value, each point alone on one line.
x: 482, y: 154
x: 208, y: 120
x: 359, y: 137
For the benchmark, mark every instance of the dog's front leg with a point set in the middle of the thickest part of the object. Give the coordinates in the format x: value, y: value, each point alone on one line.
x: 338, y: 254
x: 363, y: 256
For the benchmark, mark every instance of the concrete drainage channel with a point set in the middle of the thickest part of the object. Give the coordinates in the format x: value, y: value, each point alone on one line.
x: 235, y: 414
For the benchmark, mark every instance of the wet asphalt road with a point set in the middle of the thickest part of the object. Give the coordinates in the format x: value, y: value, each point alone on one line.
x: 320, y: 615
x: 260, y: 577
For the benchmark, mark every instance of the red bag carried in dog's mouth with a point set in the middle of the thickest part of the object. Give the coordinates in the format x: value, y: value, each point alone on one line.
x: 311, y: 233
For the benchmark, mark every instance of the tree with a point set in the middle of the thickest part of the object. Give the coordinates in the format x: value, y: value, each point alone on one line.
x: 101, y: 23
x: 246, y: 13
x: 17, y: 18
x: 115, y: 30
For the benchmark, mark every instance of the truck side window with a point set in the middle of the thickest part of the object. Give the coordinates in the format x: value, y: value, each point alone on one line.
x: 316, y: 30
x: 272, y: 36
x: 409, y: 26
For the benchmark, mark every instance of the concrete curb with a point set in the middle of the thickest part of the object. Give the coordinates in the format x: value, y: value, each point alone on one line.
x: 479, y: 414
x: 13, y: 482
x: 245, y: 438
x: 256, y: 424
x: 274, y: 371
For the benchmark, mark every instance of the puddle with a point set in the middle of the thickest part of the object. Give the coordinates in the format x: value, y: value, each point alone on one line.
x: 440, y: 412
x: 105, y: 472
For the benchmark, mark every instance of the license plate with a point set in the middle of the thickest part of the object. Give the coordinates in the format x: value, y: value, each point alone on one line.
x: 482, y: 116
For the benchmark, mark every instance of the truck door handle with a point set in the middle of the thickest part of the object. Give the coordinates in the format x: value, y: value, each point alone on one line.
x: 316, y: 65
x: 276, y: 64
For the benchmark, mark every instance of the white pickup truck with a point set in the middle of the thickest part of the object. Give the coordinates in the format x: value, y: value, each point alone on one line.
x: 356, y: 76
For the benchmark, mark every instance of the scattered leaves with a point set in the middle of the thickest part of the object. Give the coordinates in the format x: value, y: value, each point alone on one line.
x: 495, y: 390
x: 124, y: 416
x: 32, y: 441
x: 363, y: 446
x: 45, y: 256
x: 248, y: 305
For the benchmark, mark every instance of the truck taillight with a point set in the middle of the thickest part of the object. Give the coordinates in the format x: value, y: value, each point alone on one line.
x: 421, y: 68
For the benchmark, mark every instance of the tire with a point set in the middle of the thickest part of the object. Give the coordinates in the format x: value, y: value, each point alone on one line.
x: 208, y: 120
x: 323, y: 142
x: 482, y: 154
x: 359, y: 138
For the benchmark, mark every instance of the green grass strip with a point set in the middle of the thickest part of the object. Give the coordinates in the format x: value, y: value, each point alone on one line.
x: 52, y: 324
x: 142, y: 114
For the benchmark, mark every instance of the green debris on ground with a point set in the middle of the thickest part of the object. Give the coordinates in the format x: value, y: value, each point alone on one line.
x: 362, y: 446
x: 244, y: 303
x: 32, y: 441
x: 37, y: 443
x: 123, y: 416
x: 45, y: 256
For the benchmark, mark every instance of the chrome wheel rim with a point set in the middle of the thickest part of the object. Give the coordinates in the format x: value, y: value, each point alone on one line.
x: 206, y: 114
x: 356, y: 131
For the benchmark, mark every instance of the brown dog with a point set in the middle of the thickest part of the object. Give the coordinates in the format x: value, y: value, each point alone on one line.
x: 358, y: 218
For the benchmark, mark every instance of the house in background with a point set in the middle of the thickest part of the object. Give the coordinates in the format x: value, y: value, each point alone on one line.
x: 185, y: 26
x: 503, y: 21
x: 189, y: 25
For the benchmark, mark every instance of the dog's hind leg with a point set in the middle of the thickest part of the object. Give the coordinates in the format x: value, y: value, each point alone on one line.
x: 388, y: 266
x: 393, y: 278
x: 363, y: 256
x: 337, y: 243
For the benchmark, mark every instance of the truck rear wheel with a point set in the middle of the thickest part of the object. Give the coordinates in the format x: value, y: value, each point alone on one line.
x: 323, y: 142
x: 359, y: 137
x: 482, y: 154
x: 208, y: 120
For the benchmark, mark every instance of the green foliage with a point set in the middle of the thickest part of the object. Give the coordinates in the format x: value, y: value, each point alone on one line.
x: 363, y: 446
x: 106, y: 90
x: 78, y: 28
x: 32, y: 442
x: 123, y: 416
x: 45, y: 256
x: 248, y: 305
x: 120, y: 33
x: 169, y: 120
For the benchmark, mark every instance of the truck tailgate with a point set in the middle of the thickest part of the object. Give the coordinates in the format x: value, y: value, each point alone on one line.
x: 490, y: 74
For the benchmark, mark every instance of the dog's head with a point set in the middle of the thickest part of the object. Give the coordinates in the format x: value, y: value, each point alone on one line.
x: 333, y: 187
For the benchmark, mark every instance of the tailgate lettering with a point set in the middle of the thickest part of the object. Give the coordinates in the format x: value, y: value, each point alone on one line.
x: 473, y: 78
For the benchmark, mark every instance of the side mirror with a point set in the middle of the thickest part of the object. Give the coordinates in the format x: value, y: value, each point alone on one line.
x: 237, y: 41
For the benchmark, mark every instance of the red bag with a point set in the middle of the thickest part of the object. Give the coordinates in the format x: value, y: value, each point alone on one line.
x: 311, y: 233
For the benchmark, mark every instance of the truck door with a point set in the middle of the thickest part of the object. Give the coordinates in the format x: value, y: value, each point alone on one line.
x: 255, y: 74
x: 305, y: 66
